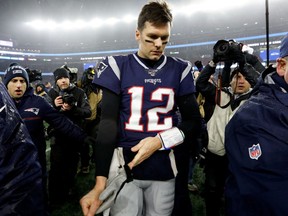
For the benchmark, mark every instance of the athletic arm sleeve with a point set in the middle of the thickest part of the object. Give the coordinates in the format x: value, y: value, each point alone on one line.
x: 191, y: 122
x: 107, y: 134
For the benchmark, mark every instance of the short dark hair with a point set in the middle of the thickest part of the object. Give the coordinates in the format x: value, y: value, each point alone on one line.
x: 156, y: 12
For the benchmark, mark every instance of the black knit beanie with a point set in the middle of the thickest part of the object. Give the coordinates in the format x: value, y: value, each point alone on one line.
x: 59, y: 73
x: 15, y: 71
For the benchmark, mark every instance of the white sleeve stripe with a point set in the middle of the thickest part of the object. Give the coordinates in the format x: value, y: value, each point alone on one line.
x: 114, y: 66
x: 186, y: 72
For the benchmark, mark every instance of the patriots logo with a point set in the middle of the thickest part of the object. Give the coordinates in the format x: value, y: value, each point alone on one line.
x: 255, y: 151
x: 33, y: 110
x: 101, y: 67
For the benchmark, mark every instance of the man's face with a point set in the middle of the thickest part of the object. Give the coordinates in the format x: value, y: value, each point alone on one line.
x: 152, y: 40
x: 239, y: 84
x: 63, y: 83
x: 16, y: 87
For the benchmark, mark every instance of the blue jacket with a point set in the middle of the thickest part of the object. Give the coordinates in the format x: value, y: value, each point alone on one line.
x: 256, y: 141
x: 35, y: 110
x: 20, y: 172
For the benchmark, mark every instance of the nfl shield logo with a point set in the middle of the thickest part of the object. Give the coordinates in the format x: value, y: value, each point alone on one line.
x: 255, y: 151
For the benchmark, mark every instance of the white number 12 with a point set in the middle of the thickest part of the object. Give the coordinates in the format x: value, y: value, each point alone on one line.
x: 153, y: 113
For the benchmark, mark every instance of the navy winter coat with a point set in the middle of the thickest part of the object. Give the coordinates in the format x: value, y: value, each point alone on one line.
x: 21, y: 191
x: 257, y: 148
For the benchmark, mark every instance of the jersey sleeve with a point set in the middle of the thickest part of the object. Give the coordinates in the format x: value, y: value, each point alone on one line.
x: 108, y: 75
x: 187, y: 81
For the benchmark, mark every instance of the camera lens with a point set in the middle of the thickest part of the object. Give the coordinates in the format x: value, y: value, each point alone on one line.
x: 222, y: 47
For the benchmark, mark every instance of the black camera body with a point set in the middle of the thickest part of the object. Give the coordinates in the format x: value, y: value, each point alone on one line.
x: 69, y: 99
x: 227, y: 50
x: 34, y: 75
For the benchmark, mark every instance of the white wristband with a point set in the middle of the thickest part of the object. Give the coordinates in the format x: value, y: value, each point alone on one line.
x: 171, y: 138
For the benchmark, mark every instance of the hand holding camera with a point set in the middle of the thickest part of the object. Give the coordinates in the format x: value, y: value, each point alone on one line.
x: 69, y: 99
x: 66, y: 101
x: 228, y: 51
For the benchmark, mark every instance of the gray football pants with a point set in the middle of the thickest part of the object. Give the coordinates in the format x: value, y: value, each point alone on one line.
x: 145, y: 198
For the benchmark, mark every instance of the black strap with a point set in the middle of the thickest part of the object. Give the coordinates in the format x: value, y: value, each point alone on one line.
x: 129, y: 179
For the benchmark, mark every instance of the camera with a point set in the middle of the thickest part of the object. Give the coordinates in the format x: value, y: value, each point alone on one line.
x: 227, y: 50
x: 69, y: 99
x: 34, y: 74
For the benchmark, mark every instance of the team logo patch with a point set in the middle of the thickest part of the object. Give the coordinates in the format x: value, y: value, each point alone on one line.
x: 255, y: 151
x: 33, y: 110
x: 101, y: 68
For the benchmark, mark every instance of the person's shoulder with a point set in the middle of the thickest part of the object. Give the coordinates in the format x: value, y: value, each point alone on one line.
x: 118, y: 57
x: 179, y: 61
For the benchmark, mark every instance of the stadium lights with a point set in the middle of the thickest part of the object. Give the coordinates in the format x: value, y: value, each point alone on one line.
x: 78, y: 24
x: 205, y: 6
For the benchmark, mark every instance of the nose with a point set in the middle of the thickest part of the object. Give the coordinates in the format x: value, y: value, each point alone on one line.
x: 19, y: 84
x: 158, y: 42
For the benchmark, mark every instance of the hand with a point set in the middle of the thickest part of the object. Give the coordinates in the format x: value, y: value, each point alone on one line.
x: 250, y: 74
x: 58, y: 101
x: 145, y: 148
x: 66, y: 107
x: 250, y: 58
x: 90, y: 203
x: 108, y: 196
x: 215, y: 58
x: 199, y: 65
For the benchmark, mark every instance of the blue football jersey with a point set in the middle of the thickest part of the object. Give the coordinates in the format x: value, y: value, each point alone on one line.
x: 148, y: 103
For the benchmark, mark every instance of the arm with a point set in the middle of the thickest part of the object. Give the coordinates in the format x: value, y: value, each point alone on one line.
x: 106, y: 139
x: 204, y: 86
x: 190, y: 115
x: 60, y: 122
x: 250, y: 74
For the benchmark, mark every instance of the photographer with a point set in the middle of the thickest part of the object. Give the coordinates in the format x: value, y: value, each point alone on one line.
x: 231, y: 52
x: 226, y: 101
x: 72, y: 102
x: 91, y: 125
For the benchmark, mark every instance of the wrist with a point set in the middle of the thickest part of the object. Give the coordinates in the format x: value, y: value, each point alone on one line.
x: 171, y: 138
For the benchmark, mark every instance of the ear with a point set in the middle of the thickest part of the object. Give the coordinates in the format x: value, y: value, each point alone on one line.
x: 281, y: 66
x: 137, y: 35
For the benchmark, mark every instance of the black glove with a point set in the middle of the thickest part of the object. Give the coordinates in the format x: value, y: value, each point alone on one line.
x: 254, y: 61
x: 199, y: 65
x: 251, y: 59
x: 215, y: 58
x: 250, y: 74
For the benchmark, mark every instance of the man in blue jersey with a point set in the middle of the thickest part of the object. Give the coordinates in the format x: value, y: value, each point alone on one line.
x: 141, y: 95
x: 256, y: 142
